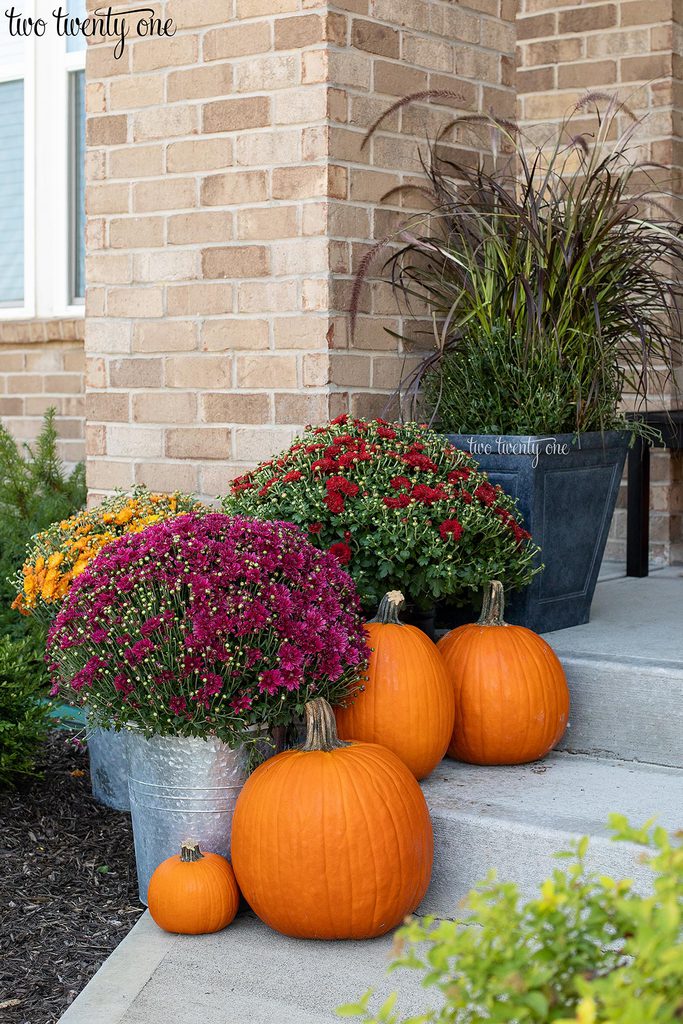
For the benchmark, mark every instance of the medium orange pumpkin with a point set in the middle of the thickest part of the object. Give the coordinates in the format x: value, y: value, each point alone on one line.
x: 511, y: 694
x: 193, y: 893
x: 332, y: 840
x: 407, y: 703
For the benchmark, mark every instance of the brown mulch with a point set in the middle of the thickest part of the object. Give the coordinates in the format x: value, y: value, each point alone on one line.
x: 68, y: 893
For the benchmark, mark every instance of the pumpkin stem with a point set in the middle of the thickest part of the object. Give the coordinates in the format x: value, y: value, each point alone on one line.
x: 493, y: 605
x: 189, y: 851
x: 389, y: 608
x: 321, y: 727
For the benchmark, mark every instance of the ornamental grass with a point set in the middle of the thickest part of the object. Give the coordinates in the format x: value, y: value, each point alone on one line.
x: 57, y: 556
x: 206, y: 625
x: 399, y: 506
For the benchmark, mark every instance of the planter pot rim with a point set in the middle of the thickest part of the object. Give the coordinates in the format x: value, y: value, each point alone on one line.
x: 590, y: 439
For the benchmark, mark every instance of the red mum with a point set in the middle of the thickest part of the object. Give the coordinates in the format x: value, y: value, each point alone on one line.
x: 450, y: 528
x: 486, y: 493
x: 335, y: 502
x: 289, y: 478
x: 341, y: 551
x: 315, y: 527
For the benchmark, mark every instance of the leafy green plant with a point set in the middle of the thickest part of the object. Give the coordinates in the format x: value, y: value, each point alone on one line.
x: 24, y: 717
x: 551, y: 286
x: 35, y: 491
x: 587, y: 950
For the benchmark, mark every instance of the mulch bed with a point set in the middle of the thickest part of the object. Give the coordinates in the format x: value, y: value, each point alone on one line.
x: 68, y: 892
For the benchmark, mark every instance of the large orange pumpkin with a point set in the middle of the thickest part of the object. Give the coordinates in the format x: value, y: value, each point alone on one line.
x: 407, y: 703
x: 332, y: 840
x: 511, y: 694
x: 193, y: 893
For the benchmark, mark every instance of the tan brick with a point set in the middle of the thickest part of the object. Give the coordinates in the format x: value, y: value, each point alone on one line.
x: 235, y: 261
x: 150, y: 54
x: 268, y: 72
x: 165, y: 407
x: 165, y: 194
x: 645, y: 69
x: 255, y: 8
x: 316, y: 370
x: 165, y: 266
x: 136, y: 162
x: 226, y: 334
x: 107, y: 131
x: 414, y: 15
x: 299, y: 182
x: 301, y: 409
x: 103, y: 64
x: 167, y: 477
x: 269, y: 148
x: 297, y: 32
x: 300, y: 256
x: 107, y: 407
x: 268, y: 297
x: 617, y: 44
x: 644, y: 12
x: 375, y: 38
x: 196, y: 13
x: 347, y: 370
x: 297, y: 106
x: 266, y: 371
x: 164, y: 123
x: 96, y: 373
x: 95, y: 98
x: 398, y: 79
x: 235, y: 187
x: 136, y: 232
x: 108, y: 337
x: 236, y: 114
x: 588, y: 19
x: 134, y: 441
x: 199, y: 155
x: 198, y: 443
x: 200, y: 82
x: 108, y: 268
x: 237, y: 41
x: 235, y: 407
x: 133, y: 302
x: 169, y: 336
x: 434, y: 54
x: 260, y: 223
x: 198, y: 371
x: 199, y: 299
x: 189, y: 228
x: 255, y: 444
x: 135, y: 373
x: 585, y: 74
x: 108, y: 475
x: 136, y: 91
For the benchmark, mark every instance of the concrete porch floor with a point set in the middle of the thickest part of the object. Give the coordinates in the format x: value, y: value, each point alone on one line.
x: 625, y: 670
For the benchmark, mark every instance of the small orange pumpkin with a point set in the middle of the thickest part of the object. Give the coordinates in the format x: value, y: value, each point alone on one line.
x: 407, y: 703
x: 193, y: 893
x: 511, y: 694
x: 332, y: 840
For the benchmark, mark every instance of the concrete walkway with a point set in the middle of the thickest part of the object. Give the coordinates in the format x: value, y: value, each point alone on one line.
x: 246, y: 974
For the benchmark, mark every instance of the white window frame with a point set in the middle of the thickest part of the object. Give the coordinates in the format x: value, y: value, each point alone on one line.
x: 47, y: 197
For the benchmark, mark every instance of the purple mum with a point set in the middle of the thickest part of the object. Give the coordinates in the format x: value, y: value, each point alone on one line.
x: 207, y: 624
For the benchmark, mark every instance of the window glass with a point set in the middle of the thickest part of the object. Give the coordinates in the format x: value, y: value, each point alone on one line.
x: 11, y: 193
x: 77, y: 42
x: 77, y: 184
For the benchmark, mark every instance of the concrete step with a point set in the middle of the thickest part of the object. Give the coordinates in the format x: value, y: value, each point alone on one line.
x: 513, y: 819
x: 625, y: 671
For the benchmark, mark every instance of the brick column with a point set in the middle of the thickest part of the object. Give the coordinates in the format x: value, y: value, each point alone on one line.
x: 633, y: 48
x: 228, y: 203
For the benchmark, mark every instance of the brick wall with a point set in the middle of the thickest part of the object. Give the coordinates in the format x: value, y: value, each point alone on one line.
x: 633, y: 48
x: 228, y: 202
x: 42, y: 365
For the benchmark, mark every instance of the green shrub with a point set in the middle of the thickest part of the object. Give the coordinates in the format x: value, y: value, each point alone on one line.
x: 24, y: 719
x: 35, y: 491
x: 588, y: 950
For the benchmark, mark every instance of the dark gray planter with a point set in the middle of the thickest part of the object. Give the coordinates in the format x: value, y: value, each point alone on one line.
x: 566, y: 489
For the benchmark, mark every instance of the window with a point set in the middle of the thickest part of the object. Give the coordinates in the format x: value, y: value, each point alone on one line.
x: 42, y: 180
x: 12, y: 193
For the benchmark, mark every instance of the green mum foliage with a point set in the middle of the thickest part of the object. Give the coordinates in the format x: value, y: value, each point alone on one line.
x: 587, y: 950
x: 24, y: 719
x: 399, y: 506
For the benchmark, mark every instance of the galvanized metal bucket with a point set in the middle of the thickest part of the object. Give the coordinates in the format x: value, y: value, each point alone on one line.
x: 180, y: 787
x: 108, y: 767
